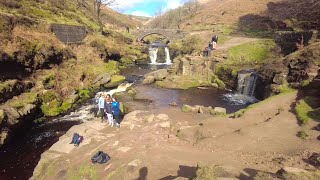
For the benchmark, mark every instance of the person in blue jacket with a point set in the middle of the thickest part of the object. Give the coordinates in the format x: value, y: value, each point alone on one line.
x: 116, y: 111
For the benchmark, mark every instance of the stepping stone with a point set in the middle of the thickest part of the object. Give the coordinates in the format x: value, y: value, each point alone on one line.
x: 124, y: 149
x: 135, y: 163
x: 165, y: 124
x: 116, y: 143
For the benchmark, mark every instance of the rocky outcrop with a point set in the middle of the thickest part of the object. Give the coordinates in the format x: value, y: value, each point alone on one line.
x: 289, y: 41
x: 115, y: 81
x: 204, y: 110
x: 157, y: 75
x: 190, y: 71
x: 192, y: 66
x: 17, y: 113
x: 102, y: 79
x: 11, y: 88
x: 295, y: 70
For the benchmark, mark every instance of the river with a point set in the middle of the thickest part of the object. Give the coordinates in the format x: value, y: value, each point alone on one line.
x: 19, y: 158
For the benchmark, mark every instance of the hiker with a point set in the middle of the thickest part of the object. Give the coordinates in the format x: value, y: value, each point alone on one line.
x: 116, y: 111
x: 214, y: 41
x: 101, y: 103
x: 205, y: 52
x: 210, y: 46
x: 108, y: 109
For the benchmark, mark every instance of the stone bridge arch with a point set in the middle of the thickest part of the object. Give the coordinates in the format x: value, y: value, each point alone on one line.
x: 170, y: 34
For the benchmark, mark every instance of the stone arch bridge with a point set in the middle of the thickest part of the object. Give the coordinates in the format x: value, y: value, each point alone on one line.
x: 170, y: 34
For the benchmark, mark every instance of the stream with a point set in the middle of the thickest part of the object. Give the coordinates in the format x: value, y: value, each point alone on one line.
x: 19, y: 158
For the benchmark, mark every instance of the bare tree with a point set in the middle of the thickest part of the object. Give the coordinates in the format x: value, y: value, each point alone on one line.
x: 97, y: 6
x: 193, y: 7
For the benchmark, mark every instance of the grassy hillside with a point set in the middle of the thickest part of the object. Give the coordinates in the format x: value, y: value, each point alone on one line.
x: 244, y: 15
x: 30, y: 52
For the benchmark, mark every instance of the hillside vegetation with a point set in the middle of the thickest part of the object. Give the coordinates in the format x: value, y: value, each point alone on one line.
x: 40, y: 75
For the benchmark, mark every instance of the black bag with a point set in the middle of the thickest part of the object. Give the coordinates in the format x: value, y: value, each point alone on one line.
x: 100, y: 157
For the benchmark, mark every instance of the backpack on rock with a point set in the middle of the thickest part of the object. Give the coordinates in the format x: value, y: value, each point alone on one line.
x: 100, y: 157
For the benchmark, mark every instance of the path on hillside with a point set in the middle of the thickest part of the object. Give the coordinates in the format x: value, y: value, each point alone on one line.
x: 235, y: 41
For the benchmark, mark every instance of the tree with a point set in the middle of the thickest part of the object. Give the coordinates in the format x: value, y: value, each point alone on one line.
x: 97, y: 6
x: 193, y: 7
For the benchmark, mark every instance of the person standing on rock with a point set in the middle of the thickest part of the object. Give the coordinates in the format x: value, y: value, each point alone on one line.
x: 116, y: 111
x: 108, y: 109
x: 101, y: 103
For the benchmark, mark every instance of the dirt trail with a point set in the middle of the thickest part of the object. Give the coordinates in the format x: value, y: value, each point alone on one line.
x: 235, y: 41
x: 167, y: 143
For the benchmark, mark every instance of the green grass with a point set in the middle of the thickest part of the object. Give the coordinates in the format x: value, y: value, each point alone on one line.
x: 303, y: 135
x: 84, y: 172
x: 305, y: 112
x: 252, y: 52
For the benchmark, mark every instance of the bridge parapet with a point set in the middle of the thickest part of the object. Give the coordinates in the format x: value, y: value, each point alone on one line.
x: 170, y: 34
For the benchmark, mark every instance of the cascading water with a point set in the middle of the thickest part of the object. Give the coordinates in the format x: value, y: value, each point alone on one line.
x: 245, y: 90
x: 168, y: 59
x: 247, y: 83
x: 153, y: 55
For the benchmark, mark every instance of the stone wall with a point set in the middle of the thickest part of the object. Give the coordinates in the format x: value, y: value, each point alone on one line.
x: 69, y: 33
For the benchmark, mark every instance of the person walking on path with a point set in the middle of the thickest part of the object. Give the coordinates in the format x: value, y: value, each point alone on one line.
x: 108, y: 110
x: 116, y: 111
x: 101, y: 103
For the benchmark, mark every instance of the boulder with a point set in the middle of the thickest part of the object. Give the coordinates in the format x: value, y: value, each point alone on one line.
x: 148, y: 80
x: 27, y: 109
x: 158, y: 75
x: 102, y: 79
x: 115, y: 81
x: 291, y: 170
x: 13, y: 115
x: 314, y: 159
x: 131, y: 92
x: 218, y: 111
x: 205, y: 110
x: 4, y: 136
x: 193, y: 109
x: 2, y: 116
x: 73, y: 98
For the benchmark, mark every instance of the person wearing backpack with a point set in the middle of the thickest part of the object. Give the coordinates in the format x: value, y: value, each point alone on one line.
x: 108, y: 109
x: 116, y: 111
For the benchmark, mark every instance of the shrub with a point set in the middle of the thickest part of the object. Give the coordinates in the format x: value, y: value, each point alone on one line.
x: 304, y: 111
x: 303, y: 135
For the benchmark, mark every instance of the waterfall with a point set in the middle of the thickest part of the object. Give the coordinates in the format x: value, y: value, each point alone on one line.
x: 153, y: 55
x: 121, y: 88
x: 168, y: 60
x: 247, y: 83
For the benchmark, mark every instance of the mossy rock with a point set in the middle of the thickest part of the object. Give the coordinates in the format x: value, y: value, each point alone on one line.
x: 24, y: 99
x: 131, y: 92
x: 52, y: 108
x: 65, y: 106
x: 186, y: 108
x: 49, y: 96
x: 115, y: 81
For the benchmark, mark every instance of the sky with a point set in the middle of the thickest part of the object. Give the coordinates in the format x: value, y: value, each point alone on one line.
x: 145, y: 7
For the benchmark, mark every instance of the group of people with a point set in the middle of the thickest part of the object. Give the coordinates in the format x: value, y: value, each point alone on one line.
x: 109, y: 108
x: 211, y: 46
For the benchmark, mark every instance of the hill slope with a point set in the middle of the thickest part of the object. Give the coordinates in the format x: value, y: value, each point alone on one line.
x: 40, y: 75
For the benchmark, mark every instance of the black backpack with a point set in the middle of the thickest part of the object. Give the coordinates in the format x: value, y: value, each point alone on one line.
x: 100, y: 157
